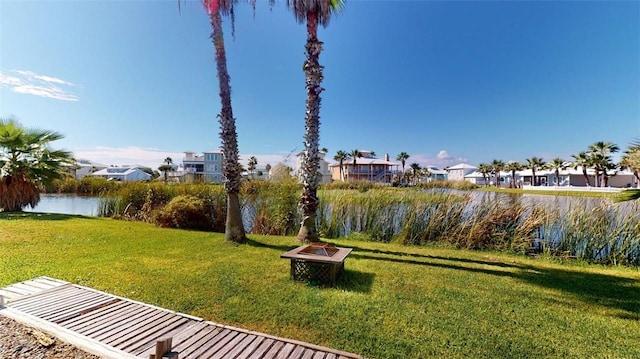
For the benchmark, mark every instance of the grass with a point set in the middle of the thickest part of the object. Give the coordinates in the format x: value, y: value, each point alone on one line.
x: 594, y: 194
x: 394, y: 301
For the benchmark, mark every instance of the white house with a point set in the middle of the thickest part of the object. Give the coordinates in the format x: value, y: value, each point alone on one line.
x: 323, y: 167
x: 123, y: 174
x: 85, y: 167
x: 457, y: 172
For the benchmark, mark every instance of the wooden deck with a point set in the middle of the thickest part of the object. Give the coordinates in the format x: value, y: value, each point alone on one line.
x: 116, y: 327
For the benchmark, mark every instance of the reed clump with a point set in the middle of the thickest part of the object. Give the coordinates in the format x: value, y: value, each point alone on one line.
x: 272, y: 207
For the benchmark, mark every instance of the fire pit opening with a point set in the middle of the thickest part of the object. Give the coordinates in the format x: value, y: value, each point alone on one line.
x: 326, y: 250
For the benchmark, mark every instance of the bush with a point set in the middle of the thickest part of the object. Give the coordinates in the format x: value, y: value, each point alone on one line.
x: 185, y: 211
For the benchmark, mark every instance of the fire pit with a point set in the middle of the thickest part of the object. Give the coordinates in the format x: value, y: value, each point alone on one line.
x: 317, y: 262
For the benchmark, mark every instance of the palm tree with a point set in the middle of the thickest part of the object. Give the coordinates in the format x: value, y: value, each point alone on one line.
x: 556, y: 165
x: 354, y: 155
x: 27, y: 164
x: 496, y: 167
x: 313, y: 12
x: 268, y: 169
x: 415, y: 171
x: 234, y: 229
x: 402, y: 157
x: 583, y: 160
x: 166, y: 167
x: 631, y: 160
x: 251, y: 165
x: 485, y: 169
x: 601, y: 159
x: 341, y: 156
x: 513, y: 167
x: 534, y: 163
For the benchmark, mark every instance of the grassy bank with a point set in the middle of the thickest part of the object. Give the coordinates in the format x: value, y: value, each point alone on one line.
x: 584, y: 194
x: 394, y: 301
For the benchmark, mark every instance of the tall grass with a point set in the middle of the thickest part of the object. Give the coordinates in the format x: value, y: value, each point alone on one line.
x: 607, y: 233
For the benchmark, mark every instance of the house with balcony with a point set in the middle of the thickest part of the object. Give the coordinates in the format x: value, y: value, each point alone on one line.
x: 367, y: 167
x: 206, y: 167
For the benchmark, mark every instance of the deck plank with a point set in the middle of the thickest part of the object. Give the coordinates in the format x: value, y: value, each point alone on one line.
x: 85, y: 326
x: 234, y: 347
x: 220, y: 337
x: 197, y: 343
x: 250, y: 348
x: 117, y: 327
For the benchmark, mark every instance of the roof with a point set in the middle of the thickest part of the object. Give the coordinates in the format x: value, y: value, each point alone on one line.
x: 366, y: 161
x: 462, y: 166
x: 115, y: 171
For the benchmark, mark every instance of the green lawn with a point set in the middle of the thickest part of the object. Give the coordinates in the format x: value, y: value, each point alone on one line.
x: 393, y: 302
x: 550, y: 192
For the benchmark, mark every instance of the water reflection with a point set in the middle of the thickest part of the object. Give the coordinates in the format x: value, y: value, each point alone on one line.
x: 66, y: 204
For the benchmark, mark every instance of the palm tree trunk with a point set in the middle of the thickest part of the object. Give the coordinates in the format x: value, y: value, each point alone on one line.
x: 234, y: 229
x: 586, y: 177
x: 310, y: 158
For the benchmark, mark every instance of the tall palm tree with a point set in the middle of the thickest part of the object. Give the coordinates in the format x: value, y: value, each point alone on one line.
x: 340, y: 157
x: 485, y: 169
x: 354, y: 155
x: 601, y: 159
x: 556, y: 165
x: 513, y: 167
x: 583, y: 160
x: 534, y: 163
x: 251, y: 165
x: 415, y: 171
x: 313, y: 12
x: 496, y: 167
x: 402, y: 157
x: 234, y: 229
x: 27, y: 164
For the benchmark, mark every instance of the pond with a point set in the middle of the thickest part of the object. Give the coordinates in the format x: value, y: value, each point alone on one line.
x: 66, y: 204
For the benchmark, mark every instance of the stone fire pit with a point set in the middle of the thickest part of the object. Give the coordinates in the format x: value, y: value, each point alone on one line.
x: 319, y: 262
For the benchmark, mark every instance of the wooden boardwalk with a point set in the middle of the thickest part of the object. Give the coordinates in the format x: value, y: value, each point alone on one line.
x: 116, y: 327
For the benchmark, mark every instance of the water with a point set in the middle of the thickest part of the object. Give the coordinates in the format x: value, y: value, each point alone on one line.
x: 66, y: 204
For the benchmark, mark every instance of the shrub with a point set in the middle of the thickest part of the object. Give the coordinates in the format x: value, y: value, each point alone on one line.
x: 184, y: 211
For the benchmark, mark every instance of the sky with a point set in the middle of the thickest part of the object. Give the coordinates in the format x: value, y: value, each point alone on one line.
x: 134, y: 82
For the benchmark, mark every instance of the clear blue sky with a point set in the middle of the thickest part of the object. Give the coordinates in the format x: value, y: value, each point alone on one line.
x: 445, y: 81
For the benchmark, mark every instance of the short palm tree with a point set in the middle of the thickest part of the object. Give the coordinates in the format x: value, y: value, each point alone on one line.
x: 496, y: 167
x: 341, y: 156
x: 631, y: 160
x: 234, y: 228
x: 402, y: 157
x: 313, y: 12
x: 415, y: 171
x: 582, y: 160
x: 601, y: 159
x: 166, y: 167
x: 251, y: 165
x: 513, y: 167
x: 27, y: 164
x: 354, y: 155
x: 485, y: 169
x: 534, y: 163
x: 556, y: 165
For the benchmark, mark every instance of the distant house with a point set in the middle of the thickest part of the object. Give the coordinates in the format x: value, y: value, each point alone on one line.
x: 436, y: 173
x: 85, y: 167
x: 323, y: 167
x: 367, y: 168
x: 457, y: 172
x: 206, y: 167
x: 123, y: 174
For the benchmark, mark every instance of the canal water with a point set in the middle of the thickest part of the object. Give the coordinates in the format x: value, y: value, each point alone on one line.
x: 66, y: 204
